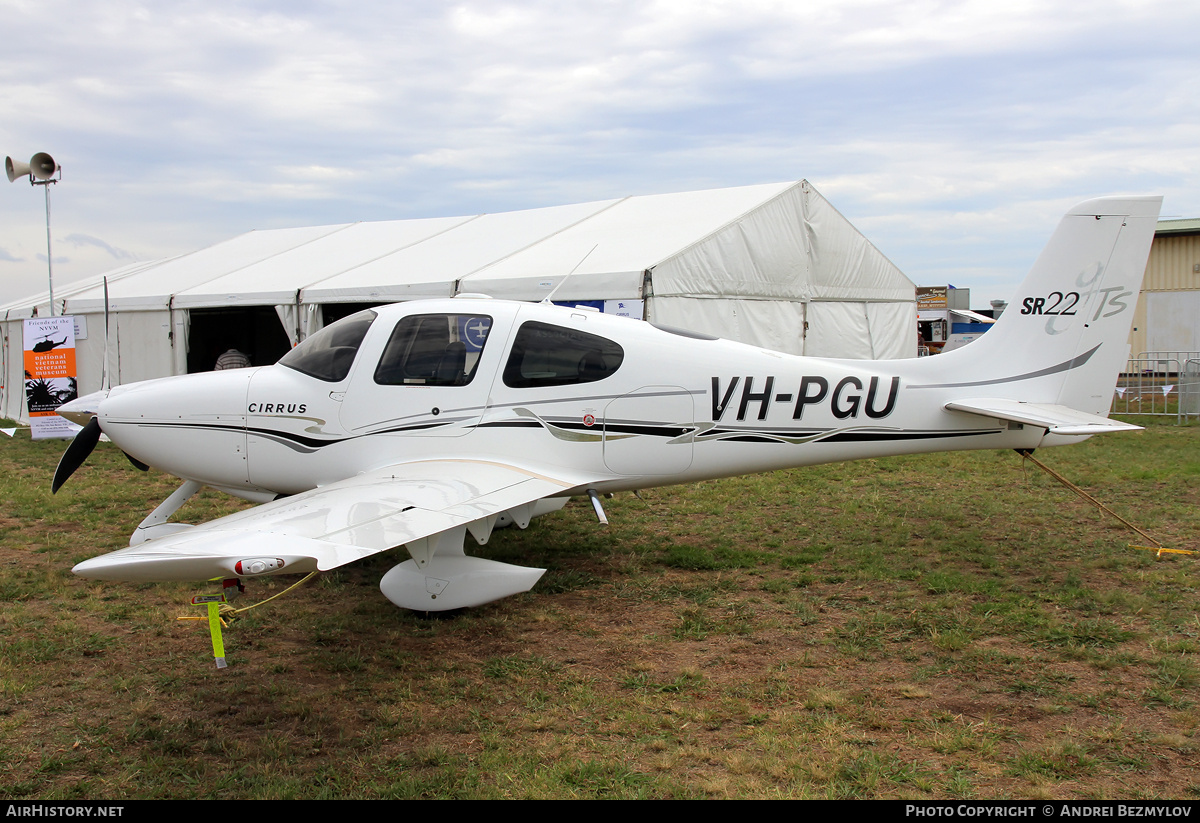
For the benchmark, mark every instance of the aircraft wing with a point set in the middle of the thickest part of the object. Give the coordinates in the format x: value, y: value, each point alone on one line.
x: 1053, y: 418
x: 341, y: 522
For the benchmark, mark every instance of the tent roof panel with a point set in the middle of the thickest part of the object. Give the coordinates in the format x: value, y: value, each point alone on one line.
x: 434, y: 264
x: 611, y: 250
x: 25, y: 306
x: 277, y: 278
x: 153, y: 288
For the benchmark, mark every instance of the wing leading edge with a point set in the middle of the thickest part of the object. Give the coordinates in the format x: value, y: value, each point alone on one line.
x: 341, y: 522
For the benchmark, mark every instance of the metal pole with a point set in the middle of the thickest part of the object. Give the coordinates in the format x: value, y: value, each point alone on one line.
x: 49, y: 256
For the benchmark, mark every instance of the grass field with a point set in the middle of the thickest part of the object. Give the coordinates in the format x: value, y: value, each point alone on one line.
x: 940, y: 626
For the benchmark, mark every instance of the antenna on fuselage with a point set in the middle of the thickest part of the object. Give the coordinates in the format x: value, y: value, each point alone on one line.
x: 550, y: 296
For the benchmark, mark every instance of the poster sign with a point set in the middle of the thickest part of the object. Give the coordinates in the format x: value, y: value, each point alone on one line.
x: 931, y: 298
x: 625, y: 308
x: 621, y: 308
x: 50, y: 378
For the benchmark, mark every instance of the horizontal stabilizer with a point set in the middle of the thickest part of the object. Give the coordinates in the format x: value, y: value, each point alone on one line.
x: 1054, y: 419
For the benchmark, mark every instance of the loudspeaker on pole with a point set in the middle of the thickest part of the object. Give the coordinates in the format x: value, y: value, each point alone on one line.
x: 41, y: 166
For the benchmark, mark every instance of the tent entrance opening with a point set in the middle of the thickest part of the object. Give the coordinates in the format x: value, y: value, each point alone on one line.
x: 255, y: 331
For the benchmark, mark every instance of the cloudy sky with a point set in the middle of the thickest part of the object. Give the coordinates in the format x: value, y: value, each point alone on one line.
x: 953, y: 134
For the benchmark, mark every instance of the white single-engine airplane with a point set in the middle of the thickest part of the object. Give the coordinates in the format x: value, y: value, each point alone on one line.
x: 417, y: 423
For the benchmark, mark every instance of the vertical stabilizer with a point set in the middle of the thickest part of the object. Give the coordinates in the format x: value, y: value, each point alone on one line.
x: 1064, y: 337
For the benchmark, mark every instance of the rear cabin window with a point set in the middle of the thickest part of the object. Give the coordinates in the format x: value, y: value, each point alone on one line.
x: 546, y: 355
x: 328, y: 354
x: 433, y: 350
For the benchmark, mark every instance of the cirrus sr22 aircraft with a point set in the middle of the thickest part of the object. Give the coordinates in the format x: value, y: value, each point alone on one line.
x: 420, y: 423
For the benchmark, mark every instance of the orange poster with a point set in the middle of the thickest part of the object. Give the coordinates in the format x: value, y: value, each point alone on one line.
x: 50, y: 377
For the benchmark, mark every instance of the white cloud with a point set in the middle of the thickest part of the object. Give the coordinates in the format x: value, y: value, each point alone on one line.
x: 946, y: 130
x: 83, y: 240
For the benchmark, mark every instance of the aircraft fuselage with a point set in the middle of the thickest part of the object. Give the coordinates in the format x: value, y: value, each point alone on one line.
x: 657, y: 406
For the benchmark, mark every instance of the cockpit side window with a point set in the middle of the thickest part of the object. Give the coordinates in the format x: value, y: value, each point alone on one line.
x: 433, y: 350
x: 546, y: 355
x: 328, y: 354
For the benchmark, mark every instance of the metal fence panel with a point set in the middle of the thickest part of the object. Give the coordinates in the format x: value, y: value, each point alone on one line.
x: 1181, y: 356
x: 1189, y: 389
x: 1160, y: 383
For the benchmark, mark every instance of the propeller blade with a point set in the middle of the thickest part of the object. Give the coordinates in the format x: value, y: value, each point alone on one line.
x: 137, y: 464
x: 76, y: 453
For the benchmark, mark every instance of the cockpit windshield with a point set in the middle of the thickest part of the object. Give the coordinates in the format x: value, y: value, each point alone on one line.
x: 328, y: 354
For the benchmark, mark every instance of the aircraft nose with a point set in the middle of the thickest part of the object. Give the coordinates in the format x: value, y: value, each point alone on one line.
x: 191, y: 426
x: 213, y: 397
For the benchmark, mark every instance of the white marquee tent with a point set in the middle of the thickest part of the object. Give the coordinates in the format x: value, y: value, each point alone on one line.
x: 773, y: 265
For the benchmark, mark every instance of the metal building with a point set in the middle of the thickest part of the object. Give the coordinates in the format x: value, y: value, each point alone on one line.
x: 1167, y: 318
